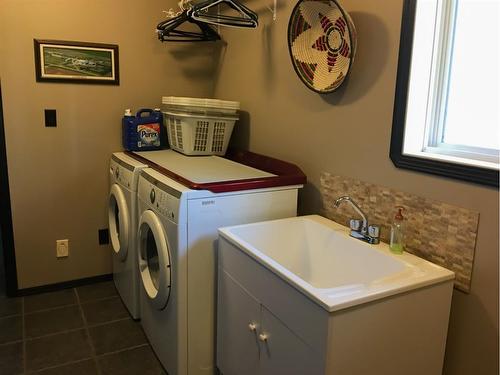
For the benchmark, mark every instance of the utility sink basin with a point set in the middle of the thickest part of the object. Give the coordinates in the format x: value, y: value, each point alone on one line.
x: 300, y: 296
x: 318, y: 257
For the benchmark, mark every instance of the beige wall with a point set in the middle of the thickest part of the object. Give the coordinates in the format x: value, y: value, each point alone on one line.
x: 59, y: 180
x: 59, y: 176
x: 348, y: 133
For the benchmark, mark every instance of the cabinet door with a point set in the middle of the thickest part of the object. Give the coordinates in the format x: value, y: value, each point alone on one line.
x: 282, y: 352
x: 237, y: 326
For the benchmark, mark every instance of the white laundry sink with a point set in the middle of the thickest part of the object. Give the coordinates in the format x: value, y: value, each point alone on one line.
x: 300, y: 296
x: 318, y: 257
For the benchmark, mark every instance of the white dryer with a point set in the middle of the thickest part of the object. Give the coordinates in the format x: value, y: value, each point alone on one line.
x: 122, y: 214
x: 177, y: 255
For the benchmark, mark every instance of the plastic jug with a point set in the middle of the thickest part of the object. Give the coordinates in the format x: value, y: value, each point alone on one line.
x: 144, y: 131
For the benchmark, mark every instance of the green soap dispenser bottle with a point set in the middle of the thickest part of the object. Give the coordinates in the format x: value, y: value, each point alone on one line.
x: 397, y: 232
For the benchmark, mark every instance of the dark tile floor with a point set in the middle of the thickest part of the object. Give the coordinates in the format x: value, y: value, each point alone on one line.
x: 80, y: 331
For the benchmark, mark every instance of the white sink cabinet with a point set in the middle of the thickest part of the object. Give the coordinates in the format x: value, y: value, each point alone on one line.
x: 254, y: 341
x: 266, y: 325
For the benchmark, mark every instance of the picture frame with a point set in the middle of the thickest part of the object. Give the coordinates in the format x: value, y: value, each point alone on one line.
x: 76, y: 62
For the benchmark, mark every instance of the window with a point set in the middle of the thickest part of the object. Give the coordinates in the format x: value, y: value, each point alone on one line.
x: 446, y: 115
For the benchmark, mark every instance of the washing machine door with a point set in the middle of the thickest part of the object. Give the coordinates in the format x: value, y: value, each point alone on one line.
x: 154, y: 259
x: 118, y: 217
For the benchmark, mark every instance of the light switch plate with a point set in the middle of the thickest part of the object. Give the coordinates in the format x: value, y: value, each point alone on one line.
x: 50, y: 118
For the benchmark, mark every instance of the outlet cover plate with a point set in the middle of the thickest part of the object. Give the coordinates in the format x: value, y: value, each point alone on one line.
x: 62, y: 248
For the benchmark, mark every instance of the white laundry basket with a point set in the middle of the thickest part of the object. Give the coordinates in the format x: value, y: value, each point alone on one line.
x: 199, y: 126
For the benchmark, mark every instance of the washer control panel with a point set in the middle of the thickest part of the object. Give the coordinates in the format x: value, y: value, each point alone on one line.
x: 165, y: 204
x: 161, y: 197
x: 159, y: 200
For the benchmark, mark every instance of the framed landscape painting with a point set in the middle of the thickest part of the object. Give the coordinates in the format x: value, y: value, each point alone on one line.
x: 76, y: 62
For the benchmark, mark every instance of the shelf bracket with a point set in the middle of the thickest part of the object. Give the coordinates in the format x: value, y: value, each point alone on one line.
x: 273, y: 9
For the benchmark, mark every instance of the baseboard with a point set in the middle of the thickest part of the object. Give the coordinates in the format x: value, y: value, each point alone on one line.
x: 63, y: 285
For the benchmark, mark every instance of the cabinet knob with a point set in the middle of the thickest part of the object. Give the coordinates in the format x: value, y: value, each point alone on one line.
x: 263, y: 337
x: 252, y: 327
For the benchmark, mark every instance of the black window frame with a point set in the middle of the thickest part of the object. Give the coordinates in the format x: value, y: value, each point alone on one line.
x: 478, y: 175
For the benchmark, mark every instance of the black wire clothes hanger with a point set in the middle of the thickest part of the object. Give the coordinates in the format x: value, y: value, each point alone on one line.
x: 174, y: 29
x: 170, y: 30
x: 245, y: 17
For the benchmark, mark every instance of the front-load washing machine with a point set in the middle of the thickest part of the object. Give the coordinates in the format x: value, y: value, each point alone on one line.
x: 177, y: 255
x: 122, y: 214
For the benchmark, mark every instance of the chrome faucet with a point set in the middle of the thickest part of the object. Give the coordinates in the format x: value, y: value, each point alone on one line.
x: 345, y: 198
x: 360, y: 228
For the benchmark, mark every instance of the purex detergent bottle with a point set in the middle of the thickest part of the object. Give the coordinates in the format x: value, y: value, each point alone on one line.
x: 144, y: 131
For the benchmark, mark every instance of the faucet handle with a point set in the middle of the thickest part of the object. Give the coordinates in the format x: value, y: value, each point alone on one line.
x: 355, y: 224
x: 374, y: 231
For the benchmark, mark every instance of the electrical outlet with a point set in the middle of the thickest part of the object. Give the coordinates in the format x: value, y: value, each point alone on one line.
x: 62, y: 248
x: 103, y: 236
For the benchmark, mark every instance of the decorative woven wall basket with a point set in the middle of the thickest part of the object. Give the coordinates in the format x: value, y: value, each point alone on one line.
x: 322, y: 44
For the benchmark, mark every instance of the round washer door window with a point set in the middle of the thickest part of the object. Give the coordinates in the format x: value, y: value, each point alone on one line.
x: 154, y: 260
x: 118, y: 217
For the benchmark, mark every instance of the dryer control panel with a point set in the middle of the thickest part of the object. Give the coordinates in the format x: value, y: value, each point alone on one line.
x: 121, y: 174
x: 124, y: 170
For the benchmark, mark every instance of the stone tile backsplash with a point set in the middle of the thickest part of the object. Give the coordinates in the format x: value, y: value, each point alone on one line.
x: 436, y: 231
